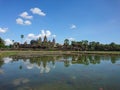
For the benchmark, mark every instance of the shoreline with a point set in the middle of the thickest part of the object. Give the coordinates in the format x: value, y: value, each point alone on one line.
x: 39, y: 53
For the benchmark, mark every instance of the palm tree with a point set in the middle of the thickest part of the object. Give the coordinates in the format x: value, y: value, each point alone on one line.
x: 22, y: 36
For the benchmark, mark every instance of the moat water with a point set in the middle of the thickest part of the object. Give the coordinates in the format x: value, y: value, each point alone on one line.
x: 78, y: 72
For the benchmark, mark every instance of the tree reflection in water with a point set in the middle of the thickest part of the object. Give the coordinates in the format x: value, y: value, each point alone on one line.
x: 46, y: 63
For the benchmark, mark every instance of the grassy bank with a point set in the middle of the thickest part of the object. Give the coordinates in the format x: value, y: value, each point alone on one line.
x: 8, y: 53
x: 101, y: 52
x: 38, y: 53
x: 32, y: 53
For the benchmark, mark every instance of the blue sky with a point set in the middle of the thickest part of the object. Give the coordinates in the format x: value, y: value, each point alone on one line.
x: 92, y: 20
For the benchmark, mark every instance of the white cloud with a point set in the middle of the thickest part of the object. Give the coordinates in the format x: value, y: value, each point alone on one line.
x: 3, y: 30
x: 42, y: 34
x: 19, y: 21
x: 22, y: 22
x: 8, y: 42
x: 73, y: 26
x: 27, y: 22
x: 32, y: 36
x: 37, y: 11
x: 47, y: 33
x: 71, y: 39
x: 25, y: 15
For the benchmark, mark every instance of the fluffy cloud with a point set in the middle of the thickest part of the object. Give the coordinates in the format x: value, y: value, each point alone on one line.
x: 8, y: 42
x: 22, y: 22
x: 71, y: 39
x: 45, y: 33
x: 27, y: 22
x: 19, y: 21
x: 42, y: 34
x: 37, y: 11
x: 32, y: 36
x: 25, y: 15
x: 3, y: 30
x: 73, y: 26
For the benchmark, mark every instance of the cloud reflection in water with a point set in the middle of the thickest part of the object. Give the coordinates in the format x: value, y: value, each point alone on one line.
x: 42, y: 69
x: 7, y: 60
x: 20, y: 81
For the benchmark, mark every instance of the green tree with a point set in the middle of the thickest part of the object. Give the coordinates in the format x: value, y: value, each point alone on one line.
x: 84, y: 45
x: 2, y: 43
x: 112, y: 46
x: 92, y: 45
x: 66, y: 42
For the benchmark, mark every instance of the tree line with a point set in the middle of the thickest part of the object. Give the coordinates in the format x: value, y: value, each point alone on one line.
x: 83, y: 45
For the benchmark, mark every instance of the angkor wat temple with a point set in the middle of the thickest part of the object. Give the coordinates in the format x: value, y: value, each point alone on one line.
x: 39, y: 43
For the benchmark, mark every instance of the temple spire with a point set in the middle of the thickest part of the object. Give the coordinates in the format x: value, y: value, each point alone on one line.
x: 45, y: 39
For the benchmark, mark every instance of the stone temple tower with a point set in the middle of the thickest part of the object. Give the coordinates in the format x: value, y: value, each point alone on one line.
x: 45, y: 39
x: 53, y: 41
x: 39, y: 40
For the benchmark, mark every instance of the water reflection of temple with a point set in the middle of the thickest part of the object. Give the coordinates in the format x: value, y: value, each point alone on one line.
x: 44, y: 63
x: 47, y: 63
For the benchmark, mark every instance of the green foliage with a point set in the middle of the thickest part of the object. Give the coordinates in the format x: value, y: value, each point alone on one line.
x: 84, y: 45
x: 2, y: 43
x: 66, y: 42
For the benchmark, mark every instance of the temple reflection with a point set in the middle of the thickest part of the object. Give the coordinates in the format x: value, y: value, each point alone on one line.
x: 46, y: 63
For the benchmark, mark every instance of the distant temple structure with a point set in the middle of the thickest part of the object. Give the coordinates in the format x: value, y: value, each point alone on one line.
x: 39, y: 43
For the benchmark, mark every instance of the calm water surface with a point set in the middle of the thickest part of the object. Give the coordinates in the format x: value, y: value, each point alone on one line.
x: 80, y: 72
